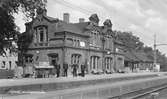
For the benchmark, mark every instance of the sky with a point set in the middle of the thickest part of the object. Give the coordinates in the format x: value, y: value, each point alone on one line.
x: 142, y: 17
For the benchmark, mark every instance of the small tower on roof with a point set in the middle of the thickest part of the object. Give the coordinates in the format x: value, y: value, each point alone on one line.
x: 94, y: 19
x: 107, y: 24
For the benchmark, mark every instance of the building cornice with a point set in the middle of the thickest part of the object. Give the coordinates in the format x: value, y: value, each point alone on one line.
x: 76, y: 48
x: 66, y: 32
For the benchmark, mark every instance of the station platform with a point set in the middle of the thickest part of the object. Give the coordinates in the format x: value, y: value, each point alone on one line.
x: 56, y: 87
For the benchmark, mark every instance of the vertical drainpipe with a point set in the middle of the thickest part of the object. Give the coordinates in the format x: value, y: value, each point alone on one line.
x: 89, y: 60
x: 63, y: 52
x: 114, y: 48
x: 103, y: 62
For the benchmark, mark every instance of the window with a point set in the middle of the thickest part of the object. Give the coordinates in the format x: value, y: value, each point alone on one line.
x: 16, y: 63
x: 75, y: 58
x: 108, y: 63
x: 94, y: 41
x: 29, y: 59
x: 41, y: 34
x: 78, y: 43
x: 94, y: 62
x: 3, y: 64
x: 108, y: 43
x: 53, y: 58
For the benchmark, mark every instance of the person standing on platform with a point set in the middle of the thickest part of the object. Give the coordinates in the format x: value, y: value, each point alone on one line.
x: 76, y: 69
x: 58, y: 70
x: 65, y: 68
x: 73, y: 72
x: 75, y: 66
x: 83, y: 67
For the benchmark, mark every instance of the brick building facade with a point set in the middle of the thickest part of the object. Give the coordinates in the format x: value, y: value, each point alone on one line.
x: 60, y: 41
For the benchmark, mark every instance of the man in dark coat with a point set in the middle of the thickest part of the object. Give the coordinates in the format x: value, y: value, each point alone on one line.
x: 65, y: 68
x: 75, y: 67
x: 57, y: 66
x: 83, y: 67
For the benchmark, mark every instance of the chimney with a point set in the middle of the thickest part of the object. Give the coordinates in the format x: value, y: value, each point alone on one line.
x: 81, y: 20
x: 66, y: 17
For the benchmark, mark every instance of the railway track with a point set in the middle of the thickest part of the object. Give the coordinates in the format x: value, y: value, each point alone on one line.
x: 141, y: 93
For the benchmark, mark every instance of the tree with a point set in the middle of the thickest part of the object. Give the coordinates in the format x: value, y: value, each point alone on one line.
x: 129, y: 40
x: 8, y: 28
x: 133, y: 43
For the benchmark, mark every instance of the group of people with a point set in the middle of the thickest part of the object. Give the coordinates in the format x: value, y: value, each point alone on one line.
x: 74, y: 69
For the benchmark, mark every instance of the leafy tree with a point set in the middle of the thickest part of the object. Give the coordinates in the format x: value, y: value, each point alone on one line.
x: 132, y: 42
x: 8, y: 28
x: 129, y: 40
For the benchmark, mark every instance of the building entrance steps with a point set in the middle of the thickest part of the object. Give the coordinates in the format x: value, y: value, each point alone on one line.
x: 52, y: 84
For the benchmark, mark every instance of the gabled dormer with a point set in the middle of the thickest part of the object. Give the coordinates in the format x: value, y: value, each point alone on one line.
x: 107, y: 35
x: 94, y: 31
x: 41, y: 35
x: 42, y: 28
x: 94, y: 19
x: 107, y: 27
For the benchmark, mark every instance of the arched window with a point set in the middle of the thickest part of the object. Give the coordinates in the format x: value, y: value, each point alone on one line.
x: 41, y: 35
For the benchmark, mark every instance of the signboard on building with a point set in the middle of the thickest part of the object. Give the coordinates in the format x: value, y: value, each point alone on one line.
x: 82, y: 44
x: 44, y: 65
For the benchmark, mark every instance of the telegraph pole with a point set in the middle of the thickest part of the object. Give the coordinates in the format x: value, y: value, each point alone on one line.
x: 155, y: 54
x: 155, y: 51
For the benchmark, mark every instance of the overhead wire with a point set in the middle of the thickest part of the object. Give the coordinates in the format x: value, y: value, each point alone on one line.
x: 88, y: 12
x: 75, y: 7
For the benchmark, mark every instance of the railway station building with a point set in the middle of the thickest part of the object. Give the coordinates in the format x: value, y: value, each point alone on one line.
x: 60, y: 41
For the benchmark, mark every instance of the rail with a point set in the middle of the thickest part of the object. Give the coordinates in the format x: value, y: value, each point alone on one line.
x: 140, y: 93
x: 148, y: 92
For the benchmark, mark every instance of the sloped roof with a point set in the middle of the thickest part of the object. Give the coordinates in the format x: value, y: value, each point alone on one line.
x: 70, y: 27
x: 119, y: 43
x: 82, y: 26
x: 136, y: 56
x: 129, y: 56
x: 142, y: 56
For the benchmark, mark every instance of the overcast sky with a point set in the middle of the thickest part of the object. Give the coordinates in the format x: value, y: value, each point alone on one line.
x: 143, y: 17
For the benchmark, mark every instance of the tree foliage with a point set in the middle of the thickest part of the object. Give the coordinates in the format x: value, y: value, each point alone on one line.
x: 133, y: 42
x: 8, y: 28
x: 129, y: 40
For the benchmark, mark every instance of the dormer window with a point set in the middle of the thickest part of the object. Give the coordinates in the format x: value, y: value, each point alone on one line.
x: 41, y: 35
